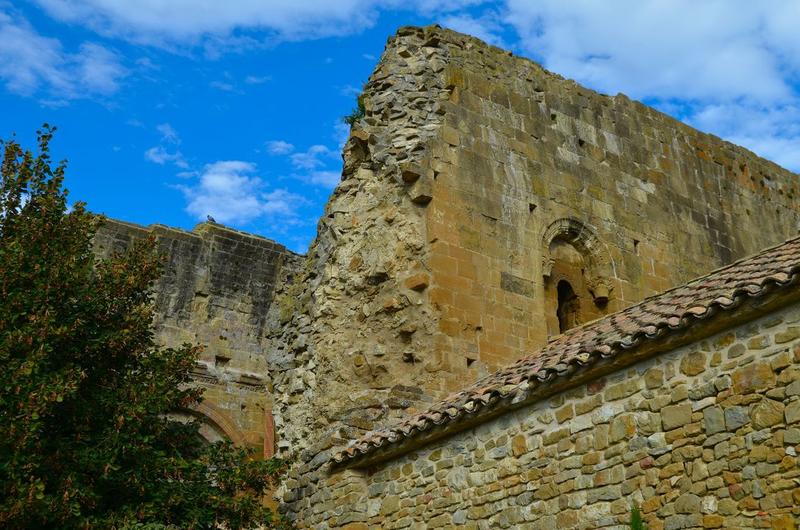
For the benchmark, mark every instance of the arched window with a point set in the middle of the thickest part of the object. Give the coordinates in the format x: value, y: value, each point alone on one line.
x: 568, y: 309
x: 576, y: 269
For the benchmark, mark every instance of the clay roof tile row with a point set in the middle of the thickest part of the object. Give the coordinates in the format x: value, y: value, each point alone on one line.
x: 609, y: 336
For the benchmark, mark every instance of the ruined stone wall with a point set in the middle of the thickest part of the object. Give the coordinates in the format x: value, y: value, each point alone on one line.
x: 526, y: 159
x: 217, y: 291
x: 703, y: 436
x: 472, y: 178
x: 355, y: 347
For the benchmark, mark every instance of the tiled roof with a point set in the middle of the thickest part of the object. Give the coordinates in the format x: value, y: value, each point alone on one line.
x: 655, y: 317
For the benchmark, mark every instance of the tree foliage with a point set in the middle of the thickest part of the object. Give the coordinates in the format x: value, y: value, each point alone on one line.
x: 85, y: 438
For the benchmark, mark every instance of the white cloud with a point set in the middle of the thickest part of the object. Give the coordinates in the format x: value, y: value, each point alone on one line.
x: 772, y: 132
x: 312, y: 158
x: 257, y: 79
x: 169, y: 22
x: 231, y: 192
x: 486, y: 27
x: 182, y: 21
x: 168, y: 133
x: 33, y: 64
x: 224, y: 86
x: 325, y: 179
x: 311, y: 164
x: 159, y: 155
x: 279, y: 147
x: 718, y: 49
x: 734, y: 64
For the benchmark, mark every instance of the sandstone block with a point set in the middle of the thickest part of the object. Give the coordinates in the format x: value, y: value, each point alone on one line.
x: 418, y: 282
x: 789, y: 334
x: 767, y: 413
x: 792, y: 412
x: 675, y: 416
x: 753, y: 377
x: 519, y: 445
x: 735, y: 417
x: 654, y: 378
x: 694, y: 363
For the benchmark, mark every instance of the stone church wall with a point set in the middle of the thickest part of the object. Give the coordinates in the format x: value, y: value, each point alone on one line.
x: 525, y: 158
x: 474, y: 184
x: 703, y: 436
x: 217, y: 291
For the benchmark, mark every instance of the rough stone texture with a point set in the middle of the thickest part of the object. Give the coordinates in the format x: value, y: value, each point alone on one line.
x: 217, y: 291
x: 548, y: 466
x: 475, y: 184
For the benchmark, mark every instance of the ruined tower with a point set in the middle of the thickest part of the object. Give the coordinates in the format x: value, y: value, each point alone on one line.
x: 486, y: 205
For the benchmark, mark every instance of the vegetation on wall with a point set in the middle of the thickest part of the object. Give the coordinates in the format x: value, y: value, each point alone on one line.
x: 85, y: 438
x: 357, y: 113
x: 637, y: 523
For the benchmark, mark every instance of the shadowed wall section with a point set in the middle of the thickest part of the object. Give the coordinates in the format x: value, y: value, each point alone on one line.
x: 217, y: 291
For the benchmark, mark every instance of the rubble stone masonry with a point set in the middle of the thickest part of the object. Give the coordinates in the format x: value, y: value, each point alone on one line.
x: 703, y: 436
x: 476, y: 184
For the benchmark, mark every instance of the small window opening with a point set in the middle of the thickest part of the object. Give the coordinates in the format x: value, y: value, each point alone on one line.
x: 636, y: 246
x: 568, y: 307
x: 470, y: 361
x: 531, y: 207
x: 221, y: 361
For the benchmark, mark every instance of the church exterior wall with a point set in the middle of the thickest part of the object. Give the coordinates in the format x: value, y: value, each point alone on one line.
x: 703, y: 436
x: 521, y: 148
x: 217, y: 291
x: 433, y: 263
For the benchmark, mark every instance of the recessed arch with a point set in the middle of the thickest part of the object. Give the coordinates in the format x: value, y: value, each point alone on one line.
x: 214, y: 425
x: 599, y: 268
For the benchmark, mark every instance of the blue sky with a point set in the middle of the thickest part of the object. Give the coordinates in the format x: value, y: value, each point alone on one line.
x: 170, y: 110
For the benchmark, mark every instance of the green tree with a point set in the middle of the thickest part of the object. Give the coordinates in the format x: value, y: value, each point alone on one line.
x: 85, y: 440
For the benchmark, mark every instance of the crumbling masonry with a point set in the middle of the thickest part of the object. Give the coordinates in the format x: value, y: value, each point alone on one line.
x: 487, y: 206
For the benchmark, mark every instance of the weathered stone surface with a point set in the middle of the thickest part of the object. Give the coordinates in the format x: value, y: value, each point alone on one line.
x: 735, y: 417
x: 217, y: 291
x: 675, y: 416
x: 792, y: 413
x: 723, y: 465
x: 753, y: 377
x: 693, y: 364
x: 476, y: 183
x: 767, y: 413
x: 714, y: 420
x: 498, y: 180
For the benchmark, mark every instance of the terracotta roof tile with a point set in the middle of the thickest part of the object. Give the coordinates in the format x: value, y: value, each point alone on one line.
x: 667, y: 312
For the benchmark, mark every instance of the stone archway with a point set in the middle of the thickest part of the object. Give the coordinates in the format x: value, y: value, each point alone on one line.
x: 214, y: 425
x: 598, y: 264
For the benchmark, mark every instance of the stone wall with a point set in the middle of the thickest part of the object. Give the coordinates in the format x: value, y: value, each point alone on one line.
x: 217, y: 291
x: 525, y: 160
x: 474, y: 184
x: 703, y: 436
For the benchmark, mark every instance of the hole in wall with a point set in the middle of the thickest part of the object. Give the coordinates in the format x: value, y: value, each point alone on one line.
x: 636, y: 246
x: 531, y: 207
x: 568, y: 306
x: 221, y: 361
x: 470, y: 361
